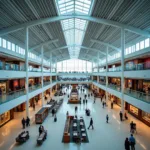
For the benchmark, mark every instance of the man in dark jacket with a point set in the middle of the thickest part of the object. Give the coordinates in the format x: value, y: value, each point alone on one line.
x: 121, y: 115
x: 127, y: 144
x: 91, y: 124
x: 28, y: 121
x: 23, y: 123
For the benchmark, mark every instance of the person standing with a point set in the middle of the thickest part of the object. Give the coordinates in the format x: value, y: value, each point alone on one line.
x: 76, y: 108
x: 40, y: 130
x: 112, y: 105
x: 53, y: 112
x: 107, y: 118
x: 23, y: 123
x: 86, y: 101
x: 103, y: 104
x: 132, y: 142
x: 94, y: 100
x: 83, y: 101
x: 28, y: 121
x: 67, y: 114
x: 127, y: 144
x: 101, y: 98
x: 121, y: 115
x: 91, y: 124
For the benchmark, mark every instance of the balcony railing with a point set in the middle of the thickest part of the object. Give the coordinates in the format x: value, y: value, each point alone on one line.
x: 115, y: 87
x: 115, y: 69
x: 45, y: 83
x: 34, y: 87
x: 11, y: 95
x: 141, y: 66
x: 13, y: 67
x: 137, y: 94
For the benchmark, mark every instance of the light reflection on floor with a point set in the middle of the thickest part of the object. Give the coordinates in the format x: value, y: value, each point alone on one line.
x: 104, y: 136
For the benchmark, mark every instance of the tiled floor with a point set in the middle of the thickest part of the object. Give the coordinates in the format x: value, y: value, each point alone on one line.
x: 104, y: 136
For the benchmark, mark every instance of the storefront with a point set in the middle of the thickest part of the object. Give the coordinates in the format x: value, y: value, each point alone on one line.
x: 139, y: 114
x: 2, y: 88
x: 5, y: 117
x: 146, y: 86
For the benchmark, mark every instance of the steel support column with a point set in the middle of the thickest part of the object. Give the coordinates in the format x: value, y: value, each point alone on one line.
x: 106, y: 73
x: 42, y: 74
x: 122, y: 68
x: 26, y: 64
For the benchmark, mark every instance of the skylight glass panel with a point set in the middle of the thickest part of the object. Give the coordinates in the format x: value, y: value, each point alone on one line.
x: 74, y: 29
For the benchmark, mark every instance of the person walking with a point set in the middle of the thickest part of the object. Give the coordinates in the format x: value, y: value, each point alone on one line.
x: 107, y: 118
x: 91, y: 124
x: 121, y: 115
x: 132, y: 142
x: 23, y: 123
x: 28, y: 121
x: 127, y: 144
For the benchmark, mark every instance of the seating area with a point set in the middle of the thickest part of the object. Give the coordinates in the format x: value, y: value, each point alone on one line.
x: 22, y: 137
x: 75, y: 130
x: 79, y: 131
x: 42, y: 137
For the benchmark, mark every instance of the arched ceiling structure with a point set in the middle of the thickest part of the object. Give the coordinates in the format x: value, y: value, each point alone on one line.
x: 74, y: 28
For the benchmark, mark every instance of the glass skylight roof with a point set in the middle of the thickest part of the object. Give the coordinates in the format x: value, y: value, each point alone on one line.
x: 74, y: 28
x: 74, y: 6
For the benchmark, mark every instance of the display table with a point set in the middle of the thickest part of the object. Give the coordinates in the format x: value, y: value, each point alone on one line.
x: 41, y: 115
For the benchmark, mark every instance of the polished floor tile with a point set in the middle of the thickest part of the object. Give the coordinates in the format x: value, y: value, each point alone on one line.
x: 109, y: 136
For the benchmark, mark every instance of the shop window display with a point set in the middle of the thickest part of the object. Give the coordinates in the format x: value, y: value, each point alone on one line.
x: 134, y: 110
x: 146, y: 116
x: 4, y: 118
x: 2, y: 88
x: 146, y: 86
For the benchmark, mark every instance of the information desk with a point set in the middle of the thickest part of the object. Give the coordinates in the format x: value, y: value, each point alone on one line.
x: 41, y: 115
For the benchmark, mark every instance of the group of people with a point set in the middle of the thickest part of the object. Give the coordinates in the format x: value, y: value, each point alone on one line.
x: 130, y: 142
x: 25, y: 122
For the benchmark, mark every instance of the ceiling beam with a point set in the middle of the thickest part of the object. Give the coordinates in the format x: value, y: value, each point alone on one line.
x: 88, y: 18
x: 42, y: 44
x: 74, y: 45
x: 106, y: 44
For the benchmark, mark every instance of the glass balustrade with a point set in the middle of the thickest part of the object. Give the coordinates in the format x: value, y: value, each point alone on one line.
x: 140, y: 66
x: 34, y: 87
x: 102, y: 82
x: 115, y: 69
x: 46, y: 83
x: 115, y: 87
x: 137, y: 94
x: 11, y: 95
x: 13, y: 67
